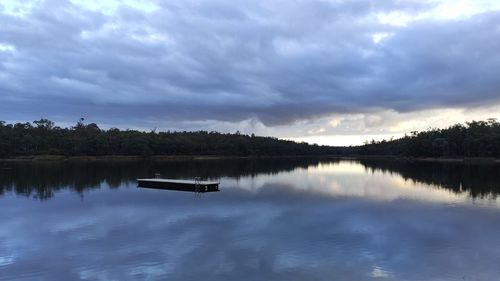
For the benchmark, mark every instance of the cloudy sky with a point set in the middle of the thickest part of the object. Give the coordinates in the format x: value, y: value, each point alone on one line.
x: 331, y: 72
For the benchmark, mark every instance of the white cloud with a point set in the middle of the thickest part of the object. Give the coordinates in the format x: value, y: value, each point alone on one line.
x: 17, y: 8
x: 110, y: 6
x: 378, y: 37
x: 6, y: 48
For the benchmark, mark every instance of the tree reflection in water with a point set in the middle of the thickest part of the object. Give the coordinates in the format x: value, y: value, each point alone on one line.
x: 42, y: 180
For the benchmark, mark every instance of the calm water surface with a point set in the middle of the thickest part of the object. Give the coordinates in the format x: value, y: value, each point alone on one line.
x: 288, y: 219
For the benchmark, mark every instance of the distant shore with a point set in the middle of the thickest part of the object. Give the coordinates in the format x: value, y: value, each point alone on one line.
x: 469, y: 160
x: 57, y: 158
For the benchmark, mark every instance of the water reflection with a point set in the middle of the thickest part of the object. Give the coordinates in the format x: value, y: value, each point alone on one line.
x: 479, y: 180
x: 351, y: 179
x: 41, y: 180
x: 317, y: 220
x: 383, y: 179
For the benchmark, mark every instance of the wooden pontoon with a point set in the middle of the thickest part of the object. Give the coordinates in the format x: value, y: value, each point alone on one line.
x: 182, y: 185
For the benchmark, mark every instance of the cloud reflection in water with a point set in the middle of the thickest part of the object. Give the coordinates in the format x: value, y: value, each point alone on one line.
x: 324, y: 223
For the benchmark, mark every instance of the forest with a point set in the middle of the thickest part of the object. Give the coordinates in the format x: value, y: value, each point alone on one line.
x: 43, y: 137
x: 473, y: 139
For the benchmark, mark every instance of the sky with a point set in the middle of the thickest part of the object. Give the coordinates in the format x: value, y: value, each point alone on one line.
x: 330, y: 72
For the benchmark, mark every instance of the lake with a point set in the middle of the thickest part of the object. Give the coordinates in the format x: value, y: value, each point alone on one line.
x: 273, y: 219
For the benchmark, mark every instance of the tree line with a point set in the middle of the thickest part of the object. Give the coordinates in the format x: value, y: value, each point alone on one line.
x: 43, y: 137
x: 473, y: 139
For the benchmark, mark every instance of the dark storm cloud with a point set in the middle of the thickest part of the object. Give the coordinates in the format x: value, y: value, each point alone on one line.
x: 229, y: 60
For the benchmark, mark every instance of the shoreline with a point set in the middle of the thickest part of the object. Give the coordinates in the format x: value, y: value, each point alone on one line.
x: 62, y: 158
x: 465, y: 160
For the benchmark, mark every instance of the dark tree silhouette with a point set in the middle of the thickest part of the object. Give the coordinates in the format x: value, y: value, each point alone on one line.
x: 44, y: 138
x: 474, y: 139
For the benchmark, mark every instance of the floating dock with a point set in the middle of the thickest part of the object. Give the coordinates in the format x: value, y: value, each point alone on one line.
x: 181, y: 185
